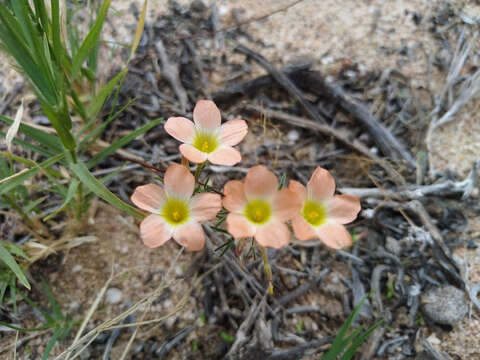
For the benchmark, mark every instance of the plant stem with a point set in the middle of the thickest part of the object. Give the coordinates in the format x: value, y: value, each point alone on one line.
x: 199, y: 171
x: 268, y: 269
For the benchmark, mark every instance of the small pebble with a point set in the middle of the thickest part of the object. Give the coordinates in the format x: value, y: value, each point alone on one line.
x: 445, y: 305
x: 77, y: 268
x: 293, y: 136
x: 114, y: 296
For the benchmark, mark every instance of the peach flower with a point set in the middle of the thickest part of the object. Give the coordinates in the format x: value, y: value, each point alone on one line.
x: 322, y: 213
x: 258, y: 209
x: 175, y: 213
x: 206, y: 138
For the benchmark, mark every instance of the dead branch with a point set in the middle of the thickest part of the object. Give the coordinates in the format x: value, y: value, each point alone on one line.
x: 170, y: 72
x: 284, y: 81
x: 234, y: 92
x: 314, y: 81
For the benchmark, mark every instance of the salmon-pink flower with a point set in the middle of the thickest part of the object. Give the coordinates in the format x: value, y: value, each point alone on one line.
x: 206, y: 138
x: 258, y: 209
x: 175, y: 213
x: 322, y: 213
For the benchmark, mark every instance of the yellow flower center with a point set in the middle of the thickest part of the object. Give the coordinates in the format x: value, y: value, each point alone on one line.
x: 205, y: 142
x: 314, y: 213
x: 175, y: 211
x: 258, y: 211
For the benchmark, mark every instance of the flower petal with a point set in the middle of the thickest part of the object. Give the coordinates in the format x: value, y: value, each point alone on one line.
x: 225, y: 155
x: 321, y: 185
x: 180, y: 128
x: 234, y: 199
x: 206, y: 115
x: 286, y: 205
x: 260, y: 182
x: 154, y: 231
x: 192, y: 154
x: 239, y: 227
x: 179, y: 182
x: 191, y: 236
x: 299, y: 189
x: 343, y: 209
x: 334, y: 235
x: 233, y: 131
x: 149, y: 197
x: 274, y: 235
x: 303, y: 230
x: 205, y: 206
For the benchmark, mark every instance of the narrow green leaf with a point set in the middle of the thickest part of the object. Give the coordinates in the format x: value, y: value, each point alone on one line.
x: 10, y: 262
x: 338, y: 342
x: 27, y: 145
x: 349, y: 354
x: 122, y: 142
x: 15, y: 250
x: 13, y: 181
x: 56, y: 30
x: 33, y: 204
x: 55, y: 307
x: 61, y: 122
x: 72, y: 188
x: 90, y: 41
x: 95, y: 133
x: 17, y: 46
x: 82, y: 172
x: 97, y: 103
x: 48, y: 140
x: 51, y: 343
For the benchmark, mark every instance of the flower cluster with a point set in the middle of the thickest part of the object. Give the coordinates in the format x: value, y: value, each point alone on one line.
x: 256, y: 207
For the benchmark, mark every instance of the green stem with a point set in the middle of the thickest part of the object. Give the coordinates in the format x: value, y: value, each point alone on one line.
x: 199, y: 171
x: 268, y: 269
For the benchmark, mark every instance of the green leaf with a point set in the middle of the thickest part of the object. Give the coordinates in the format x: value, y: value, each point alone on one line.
x: 15, y: 250
x: 51, y: 343
x: 10, y: 262
x: 61, y: 121
x: 27, y: 145
x: 338, y: 344
x: 13, y: 181
x: 72, y: 188
x: 122, y: 142
x: 359, y: 341
x: 56, y: 31
x: 50, y: 141
x: 90, y: 41
x: 17, y: 46
x: 97, y: 103
x: 55, y: 307
x: 86, y: 177
x: 95, y: 133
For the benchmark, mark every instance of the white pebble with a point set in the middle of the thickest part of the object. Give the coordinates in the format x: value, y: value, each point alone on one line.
x: 114, y: 296
x: 293, y: 136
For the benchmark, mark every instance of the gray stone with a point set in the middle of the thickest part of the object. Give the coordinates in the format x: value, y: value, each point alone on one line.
x: 445, y: 305
x: 113, y: 295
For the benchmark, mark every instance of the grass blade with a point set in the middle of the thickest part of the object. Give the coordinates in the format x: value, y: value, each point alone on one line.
x: 90, y: 41
x: 359, y: 341
x: 122, y: 142
x: 51, y: 343
x: 13, y: 181
x: 50, y: 141
x: 86, y: 177
x: 72, y: 189
x: 10, y: 262
x: 96, y: 105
